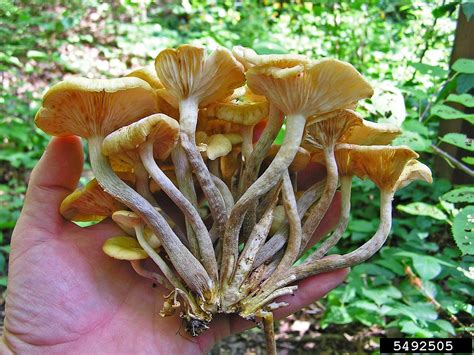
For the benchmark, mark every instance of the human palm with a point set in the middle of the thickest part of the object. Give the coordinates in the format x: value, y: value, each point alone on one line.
x: 66, y: 296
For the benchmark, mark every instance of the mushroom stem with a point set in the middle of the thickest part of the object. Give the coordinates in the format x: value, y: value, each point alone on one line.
x: 192, y: 272
x: 143, y: 186
x: 247, y: 143
x: 225, y: 192
x: 188, y: 112
x: 269, y: 329
x: 271, y: 176
x: 346, y: 185
x: 206, y: 251
x: 317, y: 212
x: 137, y: 266
x: 233, y: 292
x: 359, y: 255
x: 270, y: 132
x: 275, y: 243
x: 184, y: 176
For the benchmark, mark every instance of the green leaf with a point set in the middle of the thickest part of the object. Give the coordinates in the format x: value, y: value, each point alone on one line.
x: 463, y: 99
x: 463, y: 230
x: 468, y: 160
x: 445, y: 325
x: 462, y: 194
x: 468, y: 10
x: 415, y: 126
x: 464, y: 65
x: 360, y: 225
x: 423, y: 209
x: 459, y: 140
x: 449, y: 113
x: 414, y: 140
x: 410, y: 327
x: 3, y: 281
x: 426, y: 267
x: 36, y: 54
x: 432, y: 70
x: 281, y: 135
x: 464, y: 83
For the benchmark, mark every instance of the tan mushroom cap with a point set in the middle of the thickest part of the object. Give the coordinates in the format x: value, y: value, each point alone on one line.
x: 371, y: 133
x: 147, y: 74
x: 249, y: 58
x: 218, y: 146
x: 309, y: 89
x: 127, y: 220
x: 347, y: 164
x: 94, y: 107
x: 230, y: 163
x: 159, y: 128
x: 382, y: 164
x: 248, y: 109
x: 124, y: 248
x: 327, y: 129
x: 188, y: 72
x: 414, y: 170
x: 301, y: 160
x: 90, y: 203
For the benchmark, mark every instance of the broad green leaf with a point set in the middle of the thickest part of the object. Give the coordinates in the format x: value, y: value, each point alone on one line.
x: 468, y: 9
x: 459, y: 140
x: 468, y: 160
x: 423, y: 209
x: 463, y: 230
x: 464, y: 83
x: 36, y: 54
x: 432, y: 70
x: 415, y: 126
x: 462, y: 194
x: 445, y: 325
x: 410, y: 327
x: 426, y: 267
x: 281, y: 135
x: 464, y: 65
x: 360, y: 225
x: 463, y: 99
x: 409, y: 254
x: 414, y: 140
x: 449, y: 113
x: 3, y: 281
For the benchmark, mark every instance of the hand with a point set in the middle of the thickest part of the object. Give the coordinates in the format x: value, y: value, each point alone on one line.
x: 65, y: 295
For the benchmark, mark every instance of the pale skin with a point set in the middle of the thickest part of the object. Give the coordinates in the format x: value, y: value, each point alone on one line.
x: 66, y: 296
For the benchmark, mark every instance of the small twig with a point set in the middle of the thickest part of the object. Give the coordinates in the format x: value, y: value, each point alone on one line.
x: 452, y: 160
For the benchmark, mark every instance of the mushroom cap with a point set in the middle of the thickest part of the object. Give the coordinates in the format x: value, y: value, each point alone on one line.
x: 147, y: 74
x: 124, y: 248
x: 218, y: 145
x: 188, y: 72
x: 248, y: 109
x: 414, y: 170
x: 89, y: 203
x: 127, y: 219
x: 230, y: 163
x: 309, y: 89
x: 301, y: 160
x: 382, y: 164
x: 160, y: 129
x: 91, y: 107
x: 249, y: 58
x: 371, y: 133
x: 327, y: 129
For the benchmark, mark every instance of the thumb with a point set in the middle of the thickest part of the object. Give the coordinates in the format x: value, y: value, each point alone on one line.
x: 55, y: 176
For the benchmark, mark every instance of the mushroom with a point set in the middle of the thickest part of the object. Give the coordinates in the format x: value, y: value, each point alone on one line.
x: 195, y: 80
x: 90, y: 203
x: 92, y: 109
x: 299, y: 91
x: 155, y: 136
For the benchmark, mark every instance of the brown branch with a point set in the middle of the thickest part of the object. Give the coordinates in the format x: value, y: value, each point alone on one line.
x: 452, y: 160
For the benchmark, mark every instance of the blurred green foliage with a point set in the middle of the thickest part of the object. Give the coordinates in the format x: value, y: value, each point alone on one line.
x: 421, y: 282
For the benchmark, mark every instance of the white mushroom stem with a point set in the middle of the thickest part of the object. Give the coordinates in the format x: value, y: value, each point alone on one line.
x: 247, y: 141
x: 271, y: 176
x: 359, y: 255
x: 232, y: 293
x: 206, y: 251
x: 346, y: 185
x: 187, y: 266
x: 143, y: 183
x: 275, y: 243
x: 319, y: 210
x: 188, y: 113
x: 137, y: 266
x: 225, y: 192
x: 184, y: 176
x: 260, y: 151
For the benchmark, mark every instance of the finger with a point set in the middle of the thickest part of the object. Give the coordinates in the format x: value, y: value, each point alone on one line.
x: 55, y: 176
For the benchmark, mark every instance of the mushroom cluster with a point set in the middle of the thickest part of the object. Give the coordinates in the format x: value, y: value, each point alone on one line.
x: 218, y: 211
